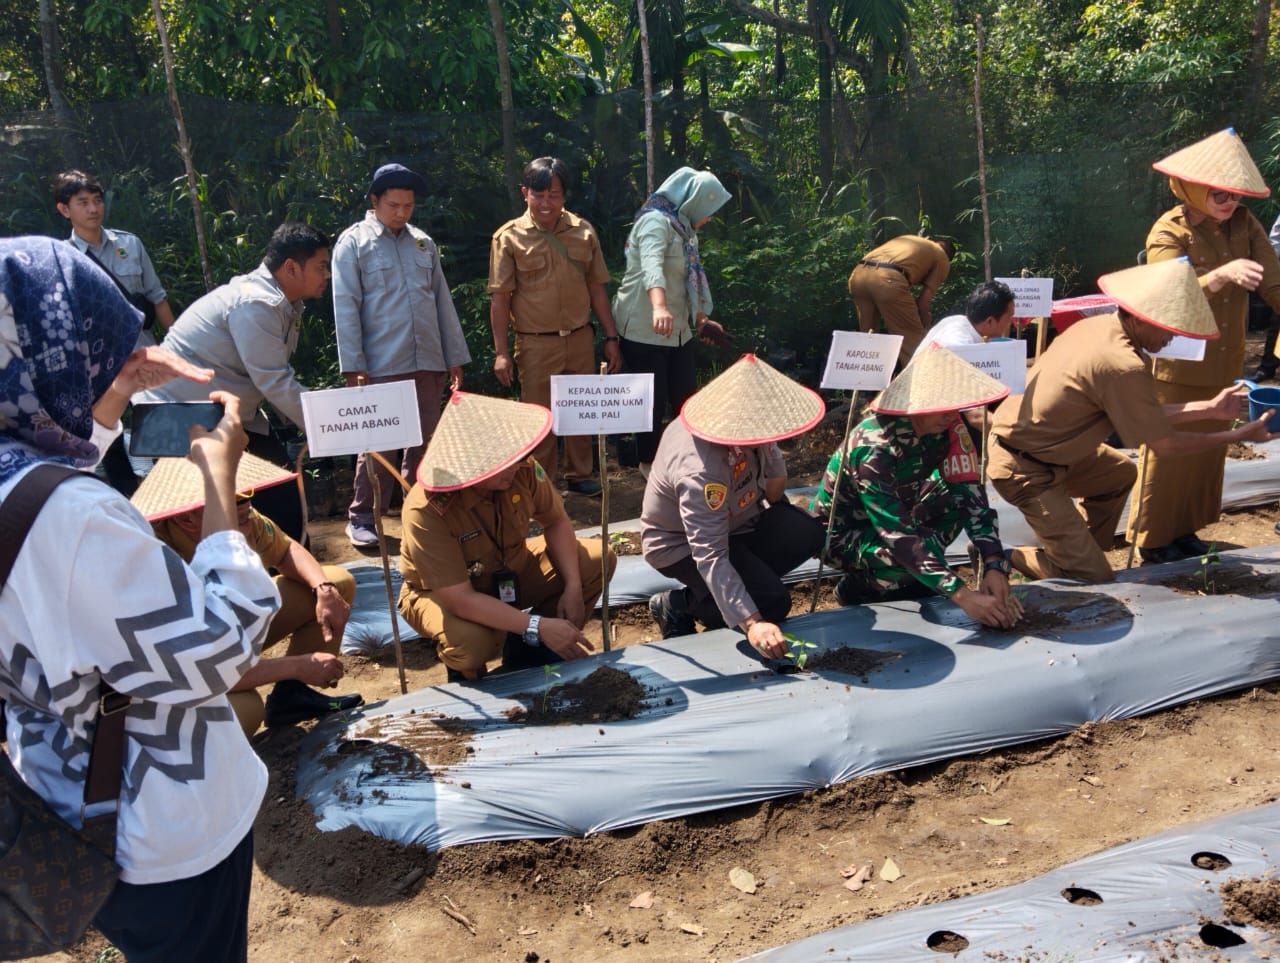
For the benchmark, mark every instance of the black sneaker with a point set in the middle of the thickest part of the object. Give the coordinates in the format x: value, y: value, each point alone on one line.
x: 586, y: 486
x: 1262, y: 373
x: 291, y: 701
x: 672, y: 617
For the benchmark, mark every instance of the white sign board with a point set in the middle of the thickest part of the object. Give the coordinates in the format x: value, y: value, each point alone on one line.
x: 1006, y: 361
x: 861, y: 361
x: 1182, y: 349
x: 601, y: 404
x: 1032, y: 297
x: 347, y: 421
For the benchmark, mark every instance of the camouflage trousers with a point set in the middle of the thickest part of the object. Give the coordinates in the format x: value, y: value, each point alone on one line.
x: 869, y: 561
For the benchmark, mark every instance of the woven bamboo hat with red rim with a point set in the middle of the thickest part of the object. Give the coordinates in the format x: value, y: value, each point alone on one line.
x: 477, y: 437
x: 175, y: 485
x: 934, y: 381
x: 1220, y: 162
x: 1165, y: 294
x: 751, y: 403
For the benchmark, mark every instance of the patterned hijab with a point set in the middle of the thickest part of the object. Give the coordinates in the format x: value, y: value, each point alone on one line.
x: 65, y: 331
x: 685, y: 198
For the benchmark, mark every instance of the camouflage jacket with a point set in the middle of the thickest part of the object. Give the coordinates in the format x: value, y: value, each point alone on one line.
x: 893, y: 499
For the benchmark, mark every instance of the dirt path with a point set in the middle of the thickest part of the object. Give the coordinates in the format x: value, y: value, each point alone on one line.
x: 662, y: 892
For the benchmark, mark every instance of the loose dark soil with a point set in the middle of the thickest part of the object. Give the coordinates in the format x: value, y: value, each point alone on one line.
x: 1225, y: 578
x: 850, y: 660
x: 439, y: 741
x: 606, y: 695
x: 1054, y: 611
x: 1252, y: 902
x: 1243, y: 451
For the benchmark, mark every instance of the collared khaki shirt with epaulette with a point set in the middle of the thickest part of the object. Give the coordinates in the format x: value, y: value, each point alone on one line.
x: 1210, y: 245
x: 548, y: 286
x: 450, y: 537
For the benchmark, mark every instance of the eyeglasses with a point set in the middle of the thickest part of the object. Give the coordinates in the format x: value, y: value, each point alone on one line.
x: 1225, y: 197
x: 244, y: 496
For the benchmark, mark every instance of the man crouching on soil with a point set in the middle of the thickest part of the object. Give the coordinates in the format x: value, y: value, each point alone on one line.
x: 470, y: 571
x: 705, y: 520
x: 901, y: 500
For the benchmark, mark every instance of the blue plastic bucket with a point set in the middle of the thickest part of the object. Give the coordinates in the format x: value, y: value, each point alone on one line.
x: 1260, y: 399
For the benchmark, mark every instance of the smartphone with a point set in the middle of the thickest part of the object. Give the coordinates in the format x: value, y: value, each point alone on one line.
x: 161, y: 430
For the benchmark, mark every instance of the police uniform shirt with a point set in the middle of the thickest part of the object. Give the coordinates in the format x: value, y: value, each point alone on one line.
x: 699, y: 493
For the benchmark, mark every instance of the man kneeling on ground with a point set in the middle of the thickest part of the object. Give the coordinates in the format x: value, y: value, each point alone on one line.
x: 715, y: 513
x: 470, y: 570
x: 900, y: 500
x: 315, y: 599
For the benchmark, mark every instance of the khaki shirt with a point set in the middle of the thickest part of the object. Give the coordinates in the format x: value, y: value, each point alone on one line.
x: 548, y: 286
x: 1210, y: 245
x: 450, y: 537
x: 699, y: 493
x: 924, y: 260
x: 1092, y: 380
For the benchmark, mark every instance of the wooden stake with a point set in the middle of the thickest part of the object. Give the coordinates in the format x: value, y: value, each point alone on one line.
x: 835, y: 490
x: 604, y: 534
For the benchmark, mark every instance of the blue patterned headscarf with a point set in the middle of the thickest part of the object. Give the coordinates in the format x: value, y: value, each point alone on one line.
x: 685, y: 199
x: 65, y: 330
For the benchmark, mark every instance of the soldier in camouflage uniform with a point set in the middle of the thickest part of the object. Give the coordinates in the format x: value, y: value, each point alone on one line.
x: 902, y: 498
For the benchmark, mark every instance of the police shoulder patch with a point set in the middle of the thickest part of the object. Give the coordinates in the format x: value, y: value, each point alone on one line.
x: 440, y: 501
x: 714, y: 494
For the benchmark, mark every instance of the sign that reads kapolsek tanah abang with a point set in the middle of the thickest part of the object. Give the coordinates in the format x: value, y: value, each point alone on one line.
x: 861, y: 360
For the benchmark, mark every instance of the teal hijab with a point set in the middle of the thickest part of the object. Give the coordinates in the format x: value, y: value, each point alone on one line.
x: 686, y: 198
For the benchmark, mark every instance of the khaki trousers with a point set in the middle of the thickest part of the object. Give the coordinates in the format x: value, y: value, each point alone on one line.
x: 470, y: 646
x: 1073, y: 538
x: 882, y: 294
x: 538, y: 357
x: 296, y: 620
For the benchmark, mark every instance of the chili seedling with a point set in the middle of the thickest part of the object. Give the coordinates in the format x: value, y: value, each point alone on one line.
x: 551, y: 679
x: 1205, y: 570
x: 798, y: 649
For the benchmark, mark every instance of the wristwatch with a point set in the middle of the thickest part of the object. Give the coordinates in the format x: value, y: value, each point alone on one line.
x: 997, y: 563
x: 531, y: 631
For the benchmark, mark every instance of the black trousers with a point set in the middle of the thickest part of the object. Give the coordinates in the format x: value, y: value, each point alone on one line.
x: 200, y: 919
x: 783, y: 538
x: 675, y: 378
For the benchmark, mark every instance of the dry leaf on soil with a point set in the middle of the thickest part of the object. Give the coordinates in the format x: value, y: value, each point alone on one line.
x: 643, y: 901
x: 994, y: 821
x: 742, y: 880
x: 856, y: 876
x: 693, y: 929
x: 889, y: 871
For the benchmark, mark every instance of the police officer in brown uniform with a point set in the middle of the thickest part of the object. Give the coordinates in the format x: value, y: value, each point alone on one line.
x: 470, y: 571
x: 881, y: 287
x: 715, y: 513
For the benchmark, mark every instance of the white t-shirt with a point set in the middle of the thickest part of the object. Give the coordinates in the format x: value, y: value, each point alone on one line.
x: 952, y: 330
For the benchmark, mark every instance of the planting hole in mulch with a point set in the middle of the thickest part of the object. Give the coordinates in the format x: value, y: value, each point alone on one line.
x: 1079, y: 896
x: 944, y: 941
x: 850, y: 660
x: 1224, y: 578
x: 1215, y: 862
x: 438, y: 741
x: 1047, y: 610
x: 606, y: 695
x: 1242, y: 451
x: 625, y: 543
x: 1252, y: 902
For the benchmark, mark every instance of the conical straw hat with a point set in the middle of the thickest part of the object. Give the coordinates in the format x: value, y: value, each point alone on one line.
x: 937, y: 380
x: 477, y: 437
x: 1165, y: 294
x: 175, y: 485
x: 751, y: 403
x: 1220, y: 162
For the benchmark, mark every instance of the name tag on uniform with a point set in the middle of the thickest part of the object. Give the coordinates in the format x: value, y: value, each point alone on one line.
x: 469, y: 536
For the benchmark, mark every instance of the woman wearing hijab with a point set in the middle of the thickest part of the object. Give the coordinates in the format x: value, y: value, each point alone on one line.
x: 664, y: 300
x: 1231, y: 255
x: 94, y: 597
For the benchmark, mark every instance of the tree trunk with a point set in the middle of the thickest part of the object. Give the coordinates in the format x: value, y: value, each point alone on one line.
x: 333, y: 25
x: 51, y: 50
x: 509, y: 162
x: 982, y: 150
x: 819, y: 12
x: 184, y: 144
x: 648, y: 97
x: 1257, y: 61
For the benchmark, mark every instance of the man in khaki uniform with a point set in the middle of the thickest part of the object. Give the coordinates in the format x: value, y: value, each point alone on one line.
x: 881, y: 287
x: 1048, y: 442
x: 547, y: 275
x: 469, y: 568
